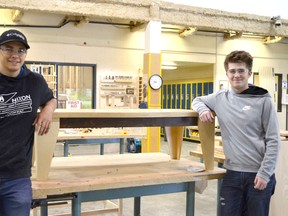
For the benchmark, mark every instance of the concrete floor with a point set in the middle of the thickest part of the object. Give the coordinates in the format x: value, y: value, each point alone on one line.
x: 159, y: 205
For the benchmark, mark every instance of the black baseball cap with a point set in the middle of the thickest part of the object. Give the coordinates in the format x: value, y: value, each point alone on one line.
x: 13, y: 35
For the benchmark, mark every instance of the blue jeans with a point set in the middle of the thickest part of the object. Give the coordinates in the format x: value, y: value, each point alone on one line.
x: 15, y: 197
x: 239, y: 198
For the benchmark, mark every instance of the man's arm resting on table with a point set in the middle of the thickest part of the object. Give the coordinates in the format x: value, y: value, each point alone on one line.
x: 44, y: 117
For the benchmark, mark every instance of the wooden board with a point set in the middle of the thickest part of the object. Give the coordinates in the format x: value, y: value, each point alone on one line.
x: 120, y: 113
x: 72, y: 136
x: 125, y: 118
x: 217, y: 157
x: 87, y: 173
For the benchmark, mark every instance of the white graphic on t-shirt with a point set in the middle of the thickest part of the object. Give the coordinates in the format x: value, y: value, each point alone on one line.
x: 10, y: 105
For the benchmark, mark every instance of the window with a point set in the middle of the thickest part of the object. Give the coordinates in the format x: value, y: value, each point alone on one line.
x: 69, y: 81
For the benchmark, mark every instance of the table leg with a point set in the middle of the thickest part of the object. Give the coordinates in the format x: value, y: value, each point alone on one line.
x: 190, y: 199
x: 207, y: 133
x: 44, y: 148
x: 175, y: 137
x: 101, y: 148
x: 76, y: 205
x: 44, y: 210
x: 66, y: 151
x: 137, y: 206
x: 122, y: 141
x: 219, y: 183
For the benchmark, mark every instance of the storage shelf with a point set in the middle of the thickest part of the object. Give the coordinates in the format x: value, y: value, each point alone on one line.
x: 113, y: 88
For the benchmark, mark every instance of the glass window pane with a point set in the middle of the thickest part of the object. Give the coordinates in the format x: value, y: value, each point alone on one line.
x: 75, y: 83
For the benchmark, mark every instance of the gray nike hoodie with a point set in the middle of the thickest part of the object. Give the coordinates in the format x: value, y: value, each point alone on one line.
x: 249, y: 128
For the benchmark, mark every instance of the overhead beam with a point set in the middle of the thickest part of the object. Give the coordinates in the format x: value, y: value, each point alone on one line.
x: 221, y: 20
x: 146, y: 10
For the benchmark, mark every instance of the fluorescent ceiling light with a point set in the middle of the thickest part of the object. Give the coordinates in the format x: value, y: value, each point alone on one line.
x: 169, y: 67
x: 272, y: 39
x: 187, y: 31
x: 232, y: 36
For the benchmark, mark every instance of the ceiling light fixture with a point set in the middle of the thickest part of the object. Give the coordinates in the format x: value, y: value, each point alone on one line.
x: 82, y: 21
x: 232, y: 36
x: 272, y: 39
x: 17, y: 15
x: 169, y: 67
x: 187, y: 31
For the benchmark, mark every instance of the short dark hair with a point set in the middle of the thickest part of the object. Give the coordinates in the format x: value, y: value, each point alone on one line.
x: 239, y: 57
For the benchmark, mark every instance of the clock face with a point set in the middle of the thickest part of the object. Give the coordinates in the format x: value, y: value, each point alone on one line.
x: 155, y: 82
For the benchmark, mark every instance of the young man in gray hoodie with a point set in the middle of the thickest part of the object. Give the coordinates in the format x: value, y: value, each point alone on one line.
x: 250, y: 135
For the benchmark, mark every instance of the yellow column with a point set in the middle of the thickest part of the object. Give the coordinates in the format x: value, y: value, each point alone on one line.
x: 152, y: 65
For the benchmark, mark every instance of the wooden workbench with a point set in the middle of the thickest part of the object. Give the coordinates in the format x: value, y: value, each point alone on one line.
x: 101, y: 177
x: 173, y: 121
x: 69, y: 137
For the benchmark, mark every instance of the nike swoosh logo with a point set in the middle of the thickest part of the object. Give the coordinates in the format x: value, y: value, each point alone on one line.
x: 246, y: 108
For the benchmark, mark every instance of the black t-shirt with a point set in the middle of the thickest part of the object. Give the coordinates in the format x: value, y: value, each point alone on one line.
x: 20, y: 99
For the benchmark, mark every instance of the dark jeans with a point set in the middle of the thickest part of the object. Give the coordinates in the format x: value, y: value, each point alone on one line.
x: 239, y: 198
x: 15, y: 197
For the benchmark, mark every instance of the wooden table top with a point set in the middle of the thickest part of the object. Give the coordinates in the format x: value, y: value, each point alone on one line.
x: 123, y: 113
x: 87, y: 173
x: 125, y: 118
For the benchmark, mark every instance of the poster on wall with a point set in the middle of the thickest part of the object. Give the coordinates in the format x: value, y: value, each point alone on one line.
x: 73, y: 104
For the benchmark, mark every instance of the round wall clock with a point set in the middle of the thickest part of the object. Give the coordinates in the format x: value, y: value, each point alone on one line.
x: 155, y: 81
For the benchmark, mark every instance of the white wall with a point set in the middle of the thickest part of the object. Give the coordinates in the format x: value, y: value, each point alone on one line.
x: 115, y: 51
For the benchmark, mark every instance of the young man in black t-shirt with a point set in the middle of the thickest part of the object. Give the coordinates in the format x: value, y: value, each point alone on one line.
x: 22, y: 92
